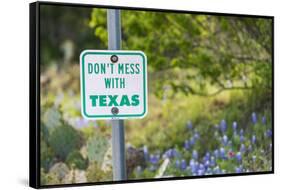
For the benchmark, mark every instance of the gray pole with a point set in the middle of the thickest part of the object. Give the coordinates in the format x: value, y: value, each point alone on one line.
x: 118, y: 139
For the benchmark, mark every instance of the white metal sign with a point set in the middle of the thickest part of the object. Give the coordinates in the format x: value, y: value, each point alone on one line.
x: 113, y: 84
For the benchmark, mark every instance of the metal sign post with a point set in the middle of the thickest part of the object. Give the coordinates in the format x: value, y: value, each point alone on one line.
x: 118, y: 139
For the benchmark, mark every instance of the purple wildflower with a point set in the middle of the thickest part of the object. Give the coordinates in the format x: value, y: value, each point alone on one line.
x: 192, y: 141
x: 234, y: 126
x: 268, y: 133
x: 238, y: 169
x: 242, y: 138
x: 193, y: 166
x: 242, y: 148
x: 194, y: 154
x: 213, y: 161
x: 254, y: 139
x: 254, y: 118
x: 216, y: 153
x: 239, y: 156
x: 154, y: 159
x: 224, y: 140
x: 189, y: 125
x: 183, y: 164
x: 186, y: 145
x: 222, y: 153
x: 223, y: 126
x: 177, y: 164
x: 263, y: 120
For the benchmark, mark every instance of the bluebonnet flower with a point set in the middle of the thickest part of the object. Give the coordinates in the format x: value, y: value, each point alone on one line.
x: 238, y: 169
x: 183, y: 164
x: 189, y: 125
x: 222, y: 153
x: 192, y: 141
x: 254, y: 118
x: 213, y: 161
x: 242, y: 138
x: 196, y: 136
x: 207, y: 156
x: 268, y: 133
x: 224, y: 140
x: 193, y: 166
x: 241, y: 132
x: 154, y: 159
x: 205, y: 159
x: 170, y: 153
x: 175, y: 153
x: 207, y: 163
x: 216, y: 153
x: 242, y: 148
x: 201, y: 167
x: 177, y: 164
x: 186, y: 145
x: 217, y: 170
x: 234, y: 126
x: 201, y: 172
x: 263, y: 120
x: 239, y: 156
x: 208, y: 171
x: 254, y: 139
x: 195, y: 154
x: 223, y: 126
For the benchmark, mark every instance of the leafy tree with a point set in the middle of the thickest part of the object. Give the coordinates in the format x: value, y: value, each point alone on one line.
x: 197, y: 54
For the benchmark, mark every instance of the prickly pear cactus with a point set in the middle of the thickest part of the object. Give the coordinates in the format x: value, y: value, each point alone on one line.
x: 65, y: 139
x: 51, y: 118
x: 96, y: 148
x: 76, y: 160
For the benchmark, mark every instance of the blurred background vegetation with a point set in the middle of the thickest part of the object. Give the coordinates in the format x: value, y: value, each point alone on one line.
x: 210, y: 90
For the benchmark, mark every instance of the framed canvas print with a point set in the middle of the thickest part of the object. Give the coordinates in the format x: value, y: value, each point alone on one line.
x: 121, y: 94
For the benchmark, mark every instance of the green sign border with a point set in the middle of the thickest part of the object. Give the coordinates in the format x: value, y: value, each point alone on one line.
x: 83, y: 83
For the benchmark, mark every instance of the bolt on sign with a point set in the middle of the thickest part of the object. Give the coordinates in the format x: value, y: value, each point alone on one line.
x: 113, y: 84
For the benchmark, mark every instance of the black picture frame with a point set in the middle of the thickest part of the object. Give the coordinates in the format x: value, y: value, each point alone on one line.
x: 34, y: 93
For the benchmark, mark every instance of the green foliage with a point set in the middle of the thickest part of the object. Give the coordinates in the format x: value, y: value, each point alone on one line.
x: 64, y: 139
x: 190, y: 53
x: 51, y: 118
x: 76, y: 160
x: 48, y: 178
x: 46, y: 155
x: 97, y: 147
x: 95, y: 173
